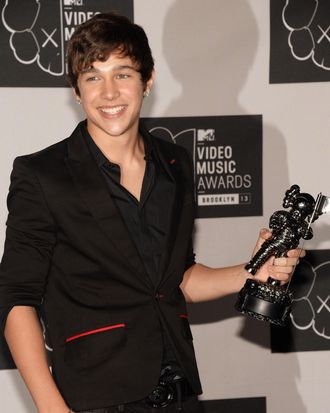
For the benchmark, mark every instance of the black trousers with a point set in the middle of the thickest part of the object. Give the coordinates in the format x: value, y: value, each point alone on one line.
x: 192, y: 405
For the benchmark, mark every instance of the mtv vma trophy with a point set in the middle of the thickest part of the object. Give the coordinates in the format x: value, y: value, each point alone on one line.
x: 270, y: 301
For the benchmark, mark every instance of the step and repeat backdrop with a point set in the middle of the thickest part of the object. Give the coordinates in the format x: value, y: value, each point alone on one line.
x: 244, y: 86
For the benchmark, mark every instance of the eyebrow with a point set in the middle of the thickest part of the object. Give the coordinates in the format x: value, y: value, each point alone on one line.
x: 118, y: 67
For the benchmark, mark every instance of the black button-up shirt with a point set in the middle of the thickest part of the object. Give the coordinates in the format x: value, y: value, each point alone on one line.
x: 147, y: 219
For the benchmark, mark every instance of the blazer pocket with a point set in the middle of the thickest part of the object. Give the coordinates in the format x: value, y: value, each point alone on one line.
x: 91, y: 347
x: 186, y: 331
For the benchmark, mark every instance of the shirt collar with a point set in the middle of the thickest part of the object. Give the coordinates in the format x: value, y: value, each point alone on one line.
x: 101, y: 159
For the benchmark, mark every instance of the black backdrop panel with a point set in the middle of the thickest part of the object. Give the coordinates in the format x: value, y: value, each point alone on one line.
x: 309, y: 327
x: 299, y: 41
x: 227, y: 155
x: 249, y: 405
x: 33, y: 37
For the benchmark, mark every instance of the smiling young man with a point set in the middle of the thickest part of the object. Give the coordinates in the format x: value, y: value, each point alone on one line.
x: 99, y: 245
x: 111, y: 93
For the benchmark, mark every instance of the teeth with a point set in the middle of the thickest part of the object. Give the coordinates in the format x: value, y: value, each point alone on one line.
x: 113, y: 111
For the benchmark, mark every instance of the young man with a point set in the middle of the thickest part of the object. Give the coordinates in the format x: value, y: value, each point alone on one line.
x: 99, y: 242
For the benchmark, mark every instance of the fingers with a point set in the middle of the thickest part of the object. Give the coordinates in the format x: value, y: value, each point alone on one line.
x: 265, y: 234
x: 282, y: 268
x: 278, y: 268
x: 296, y: 253
x: 283, y: 275
x: 286, y: 261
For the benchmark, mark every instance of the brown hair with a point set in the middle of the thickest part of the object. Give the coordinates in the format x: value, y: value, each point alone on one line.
x: 95, y: 39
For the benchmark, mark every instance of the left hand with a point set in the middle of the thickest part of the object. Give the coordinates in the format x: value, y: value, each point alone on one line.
x: 278, y: 268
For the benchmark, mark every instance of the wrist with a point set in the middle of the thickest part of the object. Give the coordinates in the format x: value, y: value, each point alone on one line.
x: 243, y: 276
x: 57, y: 409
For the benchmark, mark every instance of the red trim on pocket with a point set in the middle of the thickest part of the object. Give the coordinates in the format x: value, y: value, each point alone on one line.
x: 98, y: 330
x: 183, y: 316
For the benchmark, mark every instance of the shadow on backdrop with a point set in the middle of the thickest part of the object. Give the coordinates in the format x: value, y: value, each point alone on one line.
x: 210, y: 47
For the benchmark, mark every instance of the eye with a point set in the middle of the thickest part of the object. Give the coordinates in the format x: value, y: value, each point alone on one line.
x: 122, y: 76
x: 91, y: 78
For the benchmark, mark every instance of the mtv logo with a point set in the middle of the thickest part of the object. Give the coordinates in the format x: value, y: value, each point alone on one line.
x: 73, y: 3
x: 205, y: 135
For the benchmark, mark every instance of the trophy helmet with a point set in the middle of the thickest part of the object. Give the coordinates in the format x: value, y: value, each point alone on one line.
x: 304, y: 203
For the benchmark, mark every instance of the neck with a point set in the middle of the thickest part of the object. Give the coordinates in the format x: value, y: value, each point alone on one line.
x: 122, y: 149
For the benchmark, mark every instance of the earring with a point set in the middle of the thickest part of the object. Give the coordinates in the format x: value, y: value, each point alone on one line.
x: 78, y: 101
x: 146, y: 93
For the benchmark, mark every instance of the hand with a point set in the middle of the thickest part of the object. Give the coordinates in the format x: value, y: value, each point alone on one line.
x: 277, y: 268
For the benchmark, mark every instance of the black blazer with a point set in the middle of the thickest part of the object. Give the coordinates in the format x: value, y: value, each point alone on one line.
x: 68, y: 250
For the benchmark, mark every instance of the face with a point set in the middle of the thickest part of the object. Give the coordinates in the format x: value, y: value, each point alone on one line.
x: 111, y: 93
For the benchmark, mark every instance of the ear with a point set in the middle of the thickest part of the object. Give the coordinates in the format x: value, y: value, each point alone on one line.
x: 76, y: 96
x: 149, y: 83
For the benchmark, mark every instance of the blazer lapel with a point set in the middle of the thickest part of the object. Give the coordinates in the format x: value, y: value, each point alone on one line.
x: 170, y: 164
x: 96, y: 195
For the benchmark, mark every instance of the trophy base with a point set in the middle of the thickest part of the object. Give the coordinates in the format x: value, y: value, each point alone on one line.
x: 265, y: 302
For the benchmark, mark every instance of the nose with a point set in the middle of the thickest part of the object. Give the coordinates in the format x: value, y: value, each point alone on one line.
x: 110, y: 89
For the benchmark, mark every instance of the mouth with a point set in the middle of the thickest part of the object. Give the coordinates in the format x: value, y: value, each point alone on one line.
x: 113, y: 110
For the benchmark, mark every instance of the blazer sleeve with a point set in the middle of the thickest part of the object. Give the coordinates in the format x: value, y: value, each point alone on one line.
x: 189, y: 173
x: 30, y: 238
x: 190, y: 257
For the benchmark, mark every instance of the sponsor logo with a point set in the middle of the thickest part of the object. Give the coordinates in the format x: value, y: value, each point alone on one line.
x: 73, y: 3
x: 205, y: 135
x: 308, y: 26
x: 226, y: 152
x: 300, y: 41
x: 35, y: 34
